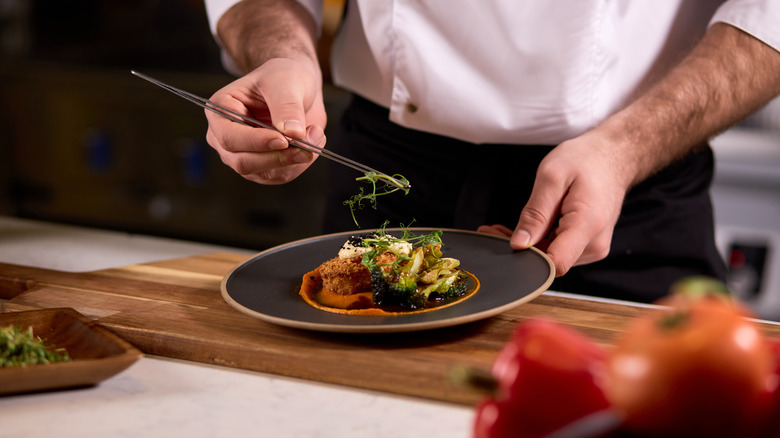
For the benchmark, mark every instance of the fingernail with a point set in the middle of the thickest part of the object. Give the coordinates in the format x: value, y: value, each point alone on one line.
x: 522, y: 238
x: 293, y: 126
x: 277, y: 144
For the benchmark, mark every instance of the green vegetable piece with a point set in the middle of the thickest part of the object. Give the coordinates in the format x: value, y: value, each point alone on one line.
x: 415, y: 265
x: 441, y: 286
x: 410, y: 281
x: 21, y: 348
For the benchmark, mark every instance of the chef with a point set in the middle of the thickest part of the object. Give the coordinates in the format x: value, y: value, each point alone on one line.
x: 576, y: 126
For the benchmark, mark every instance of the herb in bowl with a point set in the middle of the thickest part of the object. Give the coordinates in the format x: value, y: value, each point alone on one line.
x: 21, y: 348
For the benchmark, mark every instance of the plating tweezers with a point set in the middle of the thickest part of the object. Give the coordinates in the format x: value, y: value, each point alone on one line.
x: 249, y: 121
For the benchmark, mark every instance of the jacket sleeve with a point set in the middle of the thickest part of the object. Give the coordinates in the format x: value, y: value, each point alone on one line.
x: 758, y: 18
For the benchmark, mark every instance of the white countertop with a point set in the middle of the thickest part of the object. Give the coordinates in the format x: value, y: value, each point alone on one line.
x: 161, y: 397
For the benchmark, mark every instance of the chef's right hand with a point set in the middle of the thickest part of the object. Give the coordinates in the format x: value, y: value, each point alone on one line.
x: 283, y: 93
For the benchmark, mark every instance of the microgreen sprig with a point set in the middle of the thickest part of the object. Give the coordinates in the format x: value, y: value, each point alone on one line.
x: 380, y: 185
x: 381, y: 239
x: 381, y: 242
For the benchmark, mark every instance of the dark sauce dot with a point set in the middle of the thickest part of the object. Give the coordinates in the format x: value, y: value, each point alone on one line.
x: 355, y: 241
x: 358, y: 240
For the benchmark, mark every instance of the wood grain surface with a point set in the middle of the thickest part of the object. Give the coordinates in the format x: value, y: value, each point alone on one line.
x: 174, y: 308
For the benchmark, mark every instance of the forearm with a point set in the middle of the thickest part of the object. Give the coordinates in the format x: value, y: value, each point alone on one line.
x: 727, y: 76
x: 254, y: 31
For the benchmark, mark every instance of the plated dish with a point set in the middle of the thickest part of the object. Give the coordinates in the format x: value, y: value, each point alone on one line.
x: 380, y: 274
x: 96, y: 354
x: 267, y: 285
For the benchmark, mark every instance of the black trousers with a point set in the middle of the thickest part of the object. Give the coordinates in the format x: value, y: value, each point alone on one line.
x: 665, y: 231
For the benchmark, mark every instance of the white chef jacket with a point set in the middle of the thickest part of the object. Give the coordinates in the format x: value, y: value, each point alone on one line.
x: 518, y: 71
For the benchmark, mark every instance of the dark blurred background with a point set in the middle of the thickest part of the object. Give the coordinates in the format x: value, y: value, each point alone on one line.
x: 84, y: 142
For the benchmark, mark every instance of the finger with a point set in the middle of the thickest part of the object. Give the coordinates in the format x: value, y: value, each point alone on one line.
x: 539, y: 214
x: 268, y: 168
x: 316, y: 136
x: 495, y: 230
x: 288, y: 114
x: 236, y: 137
x: 583, y: 232
x: 566, y: 248
x: 578, y: 240
x: 250, y: 163
x: 295, y: 155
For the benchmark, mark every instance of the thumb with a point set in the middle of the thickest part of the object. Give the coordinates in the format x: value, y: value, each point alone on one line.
x: 288, y: 117
x: 286, y: 108
x: 537, y: 217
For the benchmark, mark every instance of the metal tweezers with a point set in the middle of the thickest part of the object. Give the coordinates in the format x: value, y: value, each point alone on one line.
x: 249, y: 121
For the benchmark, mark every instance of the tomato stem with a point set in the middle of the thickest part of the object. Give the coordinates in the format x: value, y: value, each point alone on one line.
x: 674, y: 320
x: 474, y: 378
x: 699, y: 287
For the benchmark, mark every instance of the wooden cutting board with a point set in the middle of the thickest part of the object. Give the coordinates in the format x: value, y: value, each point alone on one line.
x: 174, y: 308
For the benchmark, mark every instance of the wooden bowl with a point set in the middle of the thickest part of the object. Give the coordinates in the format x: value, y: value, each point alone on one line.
x: 96, y: 353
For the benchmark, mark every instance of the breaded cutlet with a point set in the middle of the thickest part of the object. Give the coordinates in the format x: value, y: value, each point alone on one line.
x: 349, y: 276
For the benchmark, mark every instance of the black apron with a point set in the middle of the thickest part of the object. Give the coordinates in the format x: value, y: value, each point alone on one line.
x: 665, y: 230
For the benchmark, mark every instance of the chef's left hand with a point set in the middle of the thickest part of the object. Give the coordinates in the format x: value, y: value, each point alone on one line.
x: 575, y: 202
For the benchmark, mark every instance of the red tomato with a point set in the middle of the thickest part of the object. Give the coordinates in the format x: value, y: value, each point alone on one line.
x: 771, y: 427
x: 548, y: 376
x: 698, y: 368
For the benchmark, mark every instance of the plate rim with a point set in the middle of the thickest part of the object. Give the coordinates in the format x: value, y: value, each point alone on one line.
x: 391, y: 328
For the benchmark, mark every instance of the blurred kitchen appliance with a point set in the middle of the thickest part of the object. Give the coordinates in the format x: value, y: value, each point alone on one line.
x: 746, y: 199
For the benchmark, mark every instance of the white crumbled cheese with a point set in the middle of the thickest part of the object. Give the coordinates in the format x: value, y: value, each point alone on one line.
x: 349, y: 250
x: 402, y: 247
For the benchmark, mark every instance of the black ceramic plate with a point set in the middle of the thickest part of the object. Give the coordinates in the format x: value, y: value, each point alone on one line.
x: 267, y: 285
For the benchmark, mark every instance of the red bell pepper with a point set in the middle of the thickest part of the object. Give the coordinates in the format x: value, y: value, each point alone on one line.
x: 547, y: 376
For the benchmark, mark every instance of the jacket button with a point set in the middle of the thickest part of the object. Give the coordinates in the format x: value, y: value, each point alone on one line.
x: 412, y: 108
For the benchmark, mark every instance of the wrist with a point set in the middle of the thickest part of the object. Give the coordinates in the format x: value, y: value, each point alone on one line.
x: 621, y: 143
x: 253, y: 32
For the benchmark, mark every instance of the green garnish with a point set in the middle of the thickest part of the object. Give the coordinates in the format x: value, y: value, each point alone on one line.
x: 413, y: 277
x: 380, y: 185
x: 21, y: 348
x: 381, y: 242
